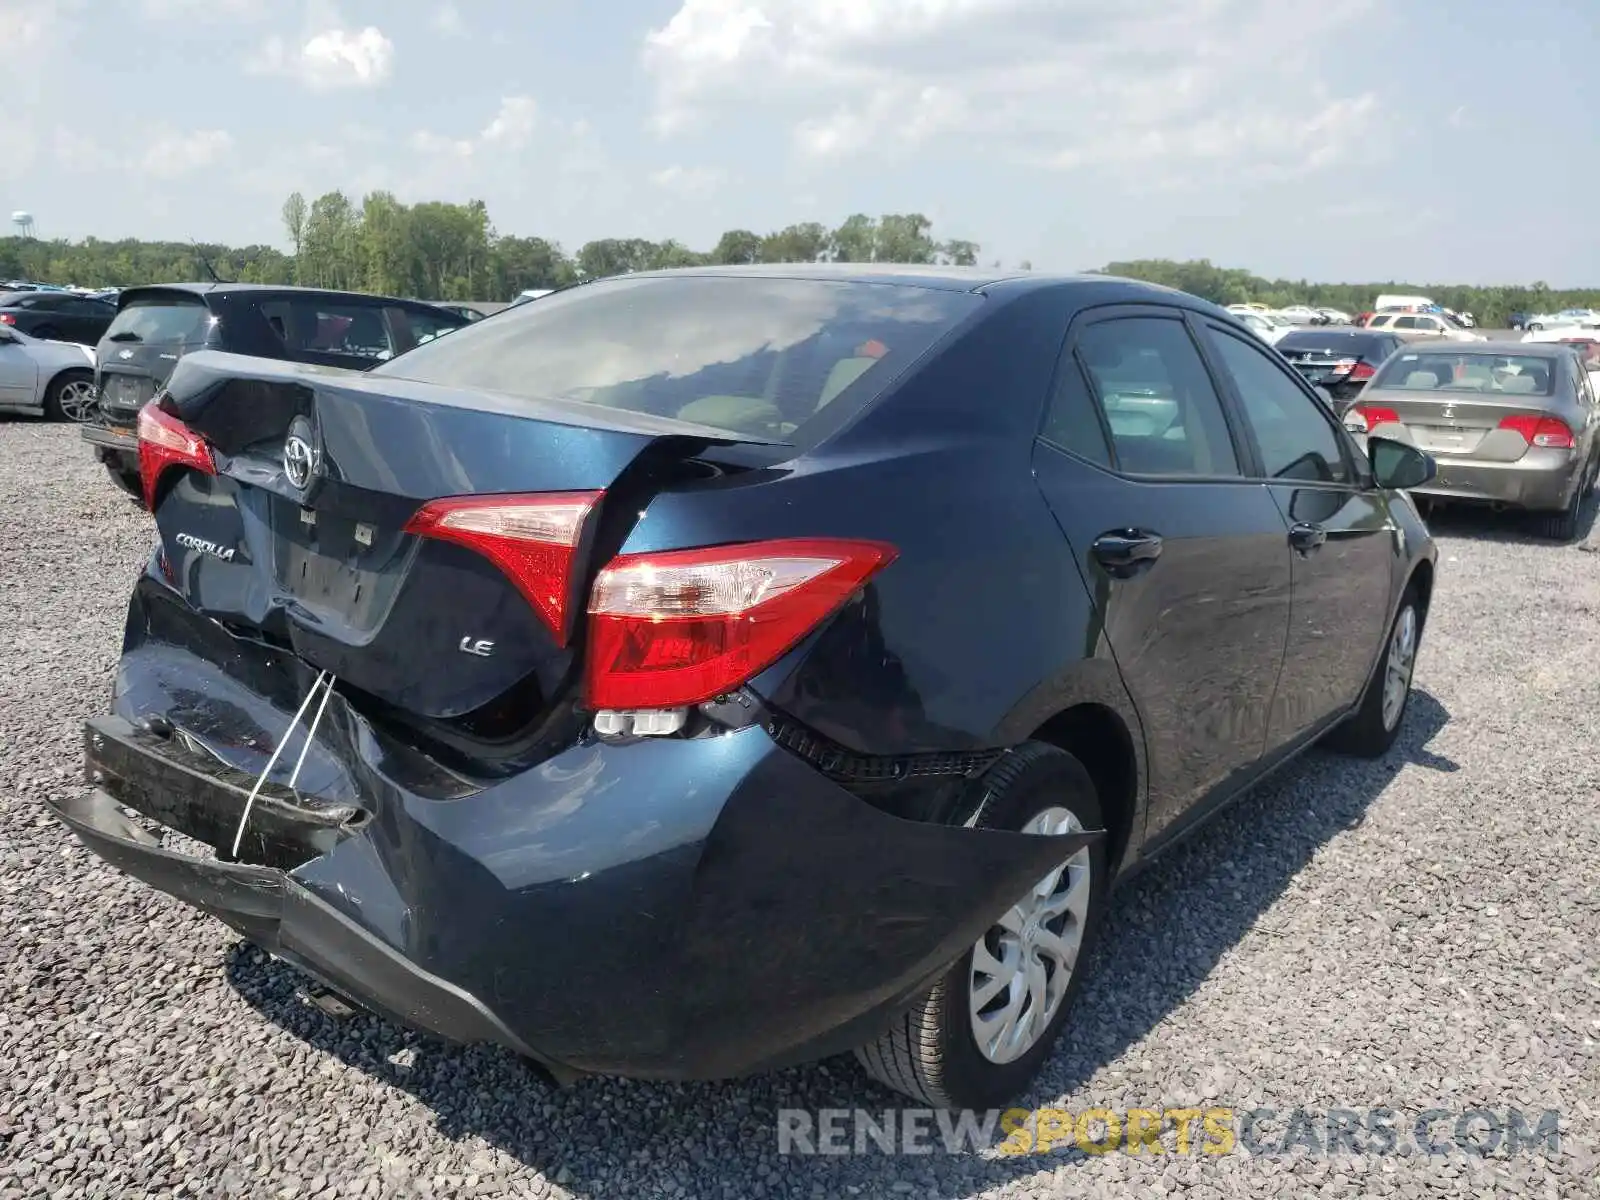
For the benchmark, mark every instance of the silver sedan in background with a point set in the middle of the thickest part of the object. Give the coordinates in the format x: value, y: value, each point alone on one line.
x: 49, y: 379
x: 1510, y: 424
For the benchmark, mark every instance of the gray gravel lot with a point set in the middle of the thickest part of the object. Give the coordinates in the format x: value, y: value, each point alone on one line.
x: 1412, y: 933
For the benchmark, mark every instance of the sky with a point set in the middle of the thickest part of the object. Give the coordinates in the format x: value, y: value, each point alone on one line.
x: 1332, y: 140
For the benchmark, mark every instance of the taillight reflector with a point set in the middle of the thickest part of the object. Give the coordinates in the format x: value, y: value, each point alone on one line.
x: 165, y: 441
x: 531, y: 538
x: 1551, y: 433
x: 686, y: 626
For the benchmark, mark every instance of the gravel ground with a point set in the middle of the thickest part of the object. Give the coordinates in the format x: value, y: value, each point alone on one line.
x: 1412, y: 933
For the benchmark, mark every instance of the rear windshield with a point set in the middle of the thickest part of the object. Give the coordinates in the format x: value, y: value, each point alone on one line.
x: 170, y: 317
x: 1335, y: 344
x: 752, y: 356
x: 1453, y: 371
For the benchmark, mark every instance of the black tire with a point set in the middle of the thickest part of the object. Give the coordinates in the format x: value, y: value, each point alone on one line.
x: 930, y: 1053
x: 53, y: 409
x: 1365, y: 734
x: 1563, y: 526
x: 128, y: 481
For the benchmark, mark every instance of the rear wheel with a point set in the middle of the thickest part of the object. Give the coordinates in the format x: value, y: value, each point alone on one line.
x: 979, y: 1036
x: 128, y: 481
x: 1563, y: 526
x: 70, y: 397
x: 1373, y: 728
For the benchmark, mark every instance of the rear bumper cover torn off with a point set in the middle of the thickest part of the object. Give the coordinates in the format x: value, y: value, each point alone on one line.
x: 773, y: 918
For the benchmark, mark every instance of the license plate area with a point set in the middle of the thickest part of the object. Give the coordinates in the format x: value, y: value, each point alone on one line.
x: 346, y: 570
x: 1437, y: 439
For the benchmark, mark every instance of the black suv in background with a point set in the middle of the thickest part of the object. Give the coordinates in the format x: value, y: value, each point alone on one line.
x: 156, y: 326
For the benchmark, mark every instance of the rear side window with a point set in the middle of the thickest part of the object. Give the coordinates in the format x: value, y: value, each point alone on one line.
x: 316, y: 329
x: 1157, y: 398
x: 167, y: 318
x: 755, y: 356
x: 425, y: 325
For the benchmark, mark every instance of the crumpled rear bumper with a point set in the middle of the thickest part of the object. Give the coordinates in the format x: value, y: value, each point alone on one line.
x: 668, y: 909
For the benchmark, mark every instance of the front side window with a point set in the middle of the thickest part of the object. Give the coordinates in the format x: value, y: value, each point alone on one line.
x: 1157, y: 398
x: 745, y: 355
x: 1297, y: 440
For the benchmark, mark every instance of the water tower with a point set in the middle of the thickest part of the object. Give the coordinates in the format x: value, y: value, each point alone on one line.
x: 24, y: 223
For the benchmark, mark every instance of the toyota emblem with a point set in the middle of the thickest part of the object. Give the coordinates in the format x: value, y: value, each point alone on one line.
x: 299, y: 456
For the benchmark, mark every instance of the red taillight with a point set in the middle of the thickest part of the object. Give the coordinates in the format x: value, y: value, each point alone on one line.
x: 7, y: 319
x: 682, y: 627
x: 165, y: 441
x: 531, y: 538
x: 1549, y: 432
x: 1370, y: 416
x: 1343, y: 367
x: 1362, y: 372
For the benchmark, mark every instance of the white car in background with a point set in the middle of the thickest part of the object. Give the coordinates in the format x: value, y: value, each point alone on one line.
x: 46, y: 379
x: 1262, y: 326
x: 1302, y: 314
x: 1567, y: 318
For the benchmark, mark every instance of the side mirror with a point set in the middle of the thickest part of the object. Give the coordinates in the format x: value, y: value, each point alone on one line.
x: 1397, y: 465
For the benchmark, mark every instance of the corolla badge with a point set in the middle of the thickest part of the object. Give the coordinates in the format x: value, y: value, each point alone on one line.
x: 299, y: 455
x: 190, y: 542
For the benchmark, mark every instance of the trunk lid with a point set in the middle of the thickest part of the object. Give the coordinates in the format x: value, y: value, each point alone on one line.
x: 1459, y: 424
x: 333, y: 570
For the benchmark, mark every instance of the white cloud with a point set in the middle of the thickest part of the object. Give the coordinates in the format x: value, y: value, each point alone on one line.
x: 689, y: 181
x: 511, y: 128
x: 172, y: 153
x: 513, y: 125
x: 1160, y: 88
x: 447, y: 20
x: 330, y: 58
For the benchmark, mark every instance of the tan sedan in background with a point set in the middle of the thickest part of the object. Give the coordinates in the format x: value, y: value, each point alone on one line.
x: 1510, y: 424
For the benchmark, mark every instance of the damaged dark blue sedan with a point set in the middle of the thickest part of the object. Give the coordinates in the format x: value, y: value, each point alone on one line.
x: 701, y: 672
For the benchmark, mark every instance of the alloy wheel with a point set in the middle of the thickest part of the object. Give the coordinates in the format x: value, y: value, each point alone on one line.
x: 77, y: 400
x: 1398, y: 665
x: 1021, y: 967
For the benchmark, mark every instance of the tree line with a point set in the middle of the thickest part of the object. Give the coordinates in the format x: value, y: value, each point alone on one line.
x: 439, y: 251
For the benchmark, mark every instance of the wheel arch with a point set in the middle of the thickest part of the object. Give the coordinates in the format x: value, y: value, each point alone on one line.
x: 1097, y: 736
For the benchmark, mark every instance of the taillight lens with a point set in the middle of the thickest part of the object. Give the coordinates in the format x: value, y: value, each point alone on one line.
x: 1361, y: 372
x: 686, y: 626
x: 1549, y: 432
x: 165, y: 441
x: 1343, y: 367
x: 532, y: 538
x: 7, y: 319
x: 1369, y: 416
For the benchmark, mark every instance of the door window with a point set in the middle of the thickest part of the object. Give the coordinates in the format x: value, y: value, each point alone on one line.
x: 1156, y: 398
x: 1296, y: 438
x: 1405, y: 322
x: 309, y: 326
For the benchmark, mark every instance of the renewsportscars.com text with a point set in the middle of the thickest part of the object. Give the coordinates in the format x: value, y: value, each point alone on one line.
x: 1212, y: 1130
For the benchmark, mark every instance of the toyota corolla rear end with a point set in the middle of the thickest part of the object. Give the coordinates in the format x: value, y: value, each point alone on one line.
x: 465, y: 690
